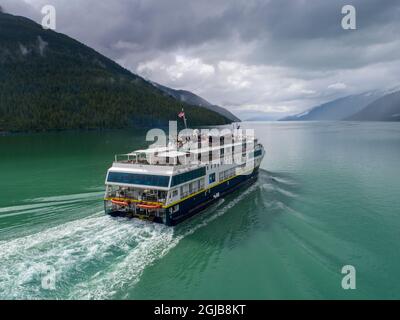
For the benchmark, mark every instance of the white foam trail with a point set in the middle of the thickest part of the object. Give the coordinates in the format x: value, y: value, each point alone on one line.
x: 95, y: 257
x: 284, y: 181
x: 71, y: 197
x: 40, y: 204
x: 127, y: 273
x: 158, y: 241
x: 271, y: 187
x: 66, y: 248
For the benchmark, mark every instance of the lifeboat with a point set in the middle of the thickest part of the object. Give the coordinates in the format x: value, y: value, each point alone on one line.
x: 120, y: 203
x: 149, y: 206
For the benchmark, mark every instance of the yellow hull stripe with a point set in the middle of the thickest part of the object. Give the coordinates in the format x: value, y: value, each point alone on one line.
x: 133, y: 200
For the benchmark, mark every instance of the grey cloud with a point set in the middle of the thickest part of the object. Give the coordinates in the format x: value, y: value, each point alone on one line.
x: 285, y: 31
x: 287, y: 53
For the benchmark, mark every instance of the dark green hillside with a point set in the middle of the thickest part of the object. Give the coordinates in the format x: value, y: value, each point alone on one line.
x: 49, y: 81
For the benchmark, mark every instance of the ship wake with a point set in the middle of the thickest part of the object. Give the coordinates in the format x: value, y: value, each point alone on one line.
x: 96, y: 257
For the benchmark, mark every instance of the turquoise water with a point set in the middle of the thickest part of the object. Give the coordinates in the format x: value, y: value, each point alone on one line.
x: 327, y: 196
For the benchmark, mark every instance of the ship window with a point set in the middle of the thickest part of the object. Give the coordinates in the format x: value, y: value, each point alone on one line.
x: 187, y: 176
x: 139, y: 179
x: 175, y: 193
x: 211, y: 178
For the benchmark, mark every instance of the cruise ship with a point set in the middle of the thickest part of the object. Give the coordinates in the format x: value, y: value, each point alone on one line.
x: 168, y: 184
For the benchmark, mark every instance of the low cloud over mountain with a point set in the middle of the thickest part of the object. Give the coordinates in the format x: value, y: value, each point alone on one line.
x: 276, y: 57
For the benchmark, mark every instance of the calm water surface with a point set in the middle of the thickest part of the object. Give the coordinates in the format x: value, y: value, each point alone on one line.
x: 328, y: 196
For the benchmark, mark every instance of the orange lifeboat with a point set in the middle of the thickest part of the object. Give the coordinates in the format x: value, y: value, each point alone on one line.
x: 120, y: 203
x: 149, y: 206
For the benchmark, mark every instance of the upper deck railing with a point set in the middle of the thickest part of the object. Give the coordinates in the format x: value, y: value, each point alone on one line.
x: 185, y: 152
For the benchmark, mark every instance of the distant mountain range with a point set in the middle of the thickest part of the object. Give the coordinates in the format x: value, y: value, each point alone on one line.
x: 259, y: 116
x: 369, y: 106
x: 387, y: 108
x: 49, y: 81
x: 193, y: 99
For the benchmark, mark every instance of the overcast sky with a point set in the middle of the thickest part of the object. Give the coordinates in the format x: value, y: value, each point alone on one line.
x: 278, y: 56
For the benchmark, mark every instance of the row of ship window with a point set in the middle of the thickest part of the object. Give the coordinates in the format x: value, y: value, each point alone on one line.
x: 154, y: 180
x: 138, y: 179
x: 163, y: 181
x: 195, y: 186
x: 227, y: 174
x: 189, y: 188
